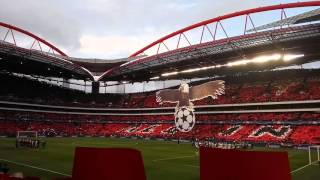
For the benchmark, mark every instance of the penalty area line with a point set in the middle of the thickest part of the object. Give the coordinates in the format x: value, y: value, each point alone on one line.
x: 181, y: 157
x: 34, y: 167
x: 296, y: 170
x: 189, y: 165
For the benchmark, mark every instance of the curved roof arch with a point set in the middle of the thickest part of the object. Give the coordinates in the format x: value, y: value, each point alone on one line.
x: 227, y: 16
x: 53, y: 57
x: 181, y: 32
x: 11, y: 27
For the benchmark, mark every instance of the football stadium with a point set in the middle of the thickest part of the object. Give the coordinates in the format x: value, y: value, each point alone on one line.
x: 235, y: 96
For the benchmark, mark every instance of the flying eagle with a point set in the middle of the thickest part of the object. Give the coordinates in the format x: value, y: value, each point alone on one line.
x: 184, y: 94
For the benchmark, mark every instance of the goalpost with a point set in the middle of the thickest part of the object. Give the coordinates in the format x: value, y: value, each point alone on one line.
x: 314, y: 151
x: 27, y: 139
x: 27, y: 134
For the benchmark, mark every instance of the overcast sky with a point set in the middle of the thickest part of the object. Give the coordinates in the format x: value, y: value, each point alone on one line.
x: 113, y: 28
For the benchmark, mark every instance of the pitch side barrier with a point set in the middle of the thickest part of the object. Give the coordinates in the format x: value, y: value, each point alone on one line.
x: 167, y: 113
x: 304, y: 102
x: 272, y: 107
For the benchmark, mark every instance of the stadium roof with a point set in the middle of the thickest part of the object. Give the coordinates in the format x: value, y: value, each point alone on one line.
x: 309, y: 16
x: 203, y: 58
x: 216, y: 58
x: 283, y: 46
x: 99, y: 66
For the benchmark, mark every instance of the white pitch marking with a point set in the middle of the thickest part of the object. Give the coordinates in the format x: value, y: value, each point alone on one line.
x: 34, y: 167
x: 296, y: 170
x: 181, y: 157
x: 188, y: 165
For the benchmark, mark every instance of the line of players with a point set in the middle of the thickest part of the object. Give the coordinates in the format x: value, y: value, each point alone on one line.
x: 222, y: 145
x: 30, y: 143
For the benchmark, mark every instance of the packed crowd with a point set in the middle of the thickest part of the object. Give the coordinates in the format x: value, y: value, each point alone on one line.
x: 297, y: 90
x: 272, y: 127
x: 267, y: 117
x: 292, y: 134
x: 262, y: 87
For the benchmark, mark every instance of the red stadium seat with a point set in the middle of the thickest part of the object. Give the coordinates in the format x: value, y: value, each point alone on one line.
x: 223, y: 164
x: 107, y: 163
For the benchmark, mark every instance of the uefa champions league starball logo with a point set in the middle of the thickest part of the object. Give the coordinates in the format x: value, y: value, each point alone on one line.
x: 184, y: 119
x: 184, y: 114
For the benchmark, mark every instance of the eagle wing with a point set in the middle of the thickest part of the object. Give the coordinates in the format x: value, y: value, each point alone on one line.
x: 212, y: 88
x: 168, y: 95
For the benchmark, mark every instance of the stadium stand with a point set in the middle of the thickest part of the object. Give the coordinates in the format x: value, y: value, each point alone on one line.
x: 296, y: 128
x: 261, y: 104
x: 288, y: 134
x: 293, y: 85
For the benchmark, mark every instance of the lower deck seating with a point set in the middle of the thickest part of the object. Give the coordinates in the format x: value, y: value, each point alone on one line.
x: 288, y: 134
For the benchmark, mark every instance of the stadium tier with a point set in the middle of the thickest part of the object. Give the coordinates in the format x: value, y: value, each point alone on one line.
x: 286, y: 85
x: 254, y: 109
x: 288, y: 135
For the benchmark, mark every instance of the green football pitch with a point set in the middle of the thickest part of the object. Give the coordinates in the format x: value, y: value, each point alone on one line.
x: 163, y: 160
